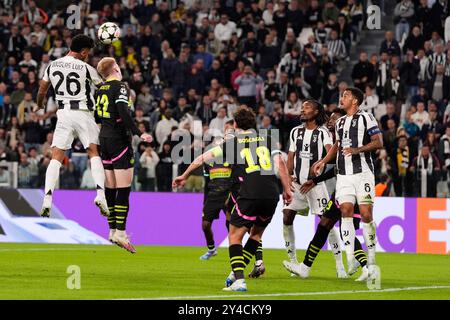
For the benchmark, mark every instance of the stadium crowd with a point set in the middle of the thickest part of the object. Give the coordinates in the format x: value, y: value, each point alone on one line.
x: 190, y: 64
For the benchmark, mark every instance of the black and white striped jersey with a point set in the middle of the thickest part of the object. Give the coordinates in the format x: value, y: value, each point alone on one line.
x: 74, y: 82
x: 355, y: 132
x: 308, y: 147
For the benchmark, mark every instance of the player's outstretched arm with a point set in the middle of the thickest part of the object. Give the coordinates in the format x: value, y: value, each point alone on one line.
x: 284, y: 177
x: 331, y: 154
x: 43, y: 88
x: 197, y: 163
x: 122, y: 108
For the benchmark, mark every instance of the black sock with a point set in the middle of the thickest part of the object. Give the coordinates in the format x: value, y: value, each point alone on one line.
x: 360, y: 255
x: 320, y: 237
x: 237, y: 260
x: 259, y: 252
x: 121, y: 207
x: 249, y: 250
x: 211, y: 246
x: 110, y: 195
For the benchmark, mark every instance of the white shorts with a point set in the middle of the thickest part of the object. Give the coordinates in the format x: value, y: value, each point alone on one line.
x: 72, y: 124
x: 316, y: 199
x: 356, y: 188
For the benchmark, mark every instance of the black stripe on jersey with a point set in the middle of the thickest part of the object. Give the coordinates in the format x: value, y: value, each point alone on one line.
x: 74, y: 105
x: 89, y: 102
x: 356, y: 158
x: 299, y: 143
x: 367, y: 155
x: 48, y: 71
x: 314, y: 148
x: 341, y: 160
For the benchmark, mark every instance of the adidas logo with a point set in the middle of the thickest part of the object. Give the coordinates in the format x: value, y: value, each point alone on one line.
x: 368, y: 197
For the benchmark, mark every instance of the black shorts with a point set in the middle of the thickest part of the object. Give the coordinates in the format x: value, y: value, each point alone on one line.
x: 231, y: 201
x: 249, y: 212
x: 333, y: 212
x: 213, y: 204
x: 116, y: 153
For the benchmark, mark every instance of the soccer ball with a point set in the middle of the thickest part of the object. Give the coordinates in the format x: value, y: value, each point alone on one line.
x: 108, y: 33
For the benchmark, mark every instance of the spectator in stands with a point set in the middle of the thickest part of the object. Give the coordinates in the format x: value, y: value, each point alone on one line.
x: 444, y: 155
x: 415, y: 41
x: 400, y: 162
x: 218, y: 123
x: 363, y: 72
x: 408, y: 73
x: 224, y: 29
x: 404, y: 11
x: 164, y: 169
x: 247, y: 83
x: 390, y: 45
x: 421, y: 117
x: 395, y: 90
x: 148, y: 161
x: 25, y: 177
x: 330, y: 89
x: 371, y: 100
x: 164, y: 127
x: 336, y: 47
x: 390, y: 115
x: 87, y: 182
x: 426, y: 169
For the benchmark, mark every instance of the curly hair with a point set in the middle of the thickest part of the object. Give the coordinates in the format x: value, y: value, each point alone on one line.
x: 245, y: 118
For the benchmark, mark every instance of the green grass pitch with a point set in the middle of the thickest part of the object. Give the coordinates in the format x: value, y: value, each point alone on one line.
x: 39, y: 271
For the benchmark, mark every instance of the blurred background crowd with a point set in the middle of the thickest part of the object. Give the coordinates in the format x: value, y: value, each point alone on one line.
x: 191, y: 63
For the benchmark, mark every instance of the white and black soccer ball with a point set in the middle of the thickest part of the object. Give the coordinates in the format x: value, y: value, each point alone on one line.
x: 108, y: 33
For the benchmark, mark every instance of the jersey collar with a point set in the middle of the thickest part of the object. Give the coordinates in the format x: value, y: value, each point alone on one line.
x: 112, y: 79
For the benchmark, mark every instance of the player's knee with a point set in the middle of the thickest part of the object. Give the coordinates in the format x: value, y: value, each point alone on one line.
x: 347, y: 210
x: 327, y: 223
x: 92, y: 151
x: 58, y: 154
x: 288, y: 217
x: 206, y: 225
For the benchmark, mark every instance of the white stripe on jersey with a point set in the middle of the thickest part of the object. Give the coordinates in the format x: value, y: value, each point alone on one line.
x: 73, y: 81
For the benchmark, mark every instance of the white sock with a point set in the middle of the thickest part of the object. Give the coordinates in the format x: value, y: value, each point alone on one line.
x: 98, y: 173
x: 120, y: 233
x: 289, y: 240
x: 348, y: 236
x: 335, y: 244
x: 51, y: 177
x: 370, y: 238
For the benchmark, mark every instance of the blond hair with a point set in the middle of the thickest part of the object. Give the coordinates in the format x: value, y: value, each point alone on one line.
x: 105, y: 66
